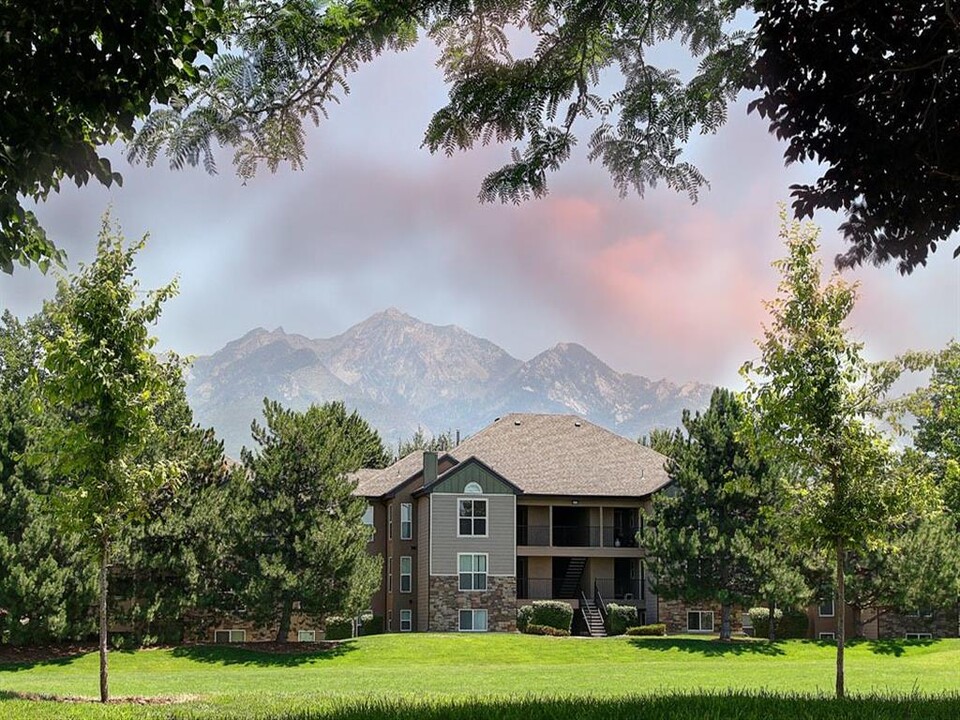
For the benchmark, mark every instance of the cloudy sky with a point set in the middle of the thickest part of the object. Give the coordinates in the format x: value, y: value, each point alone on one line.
x: 655, y: 286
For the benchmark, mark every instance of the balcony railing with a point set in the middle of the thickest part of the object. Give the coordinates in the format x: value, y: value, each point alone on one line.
x: 619, y: 589
x: 533, y: 535
x: 576, y: 536
x: 620, y: 537
x: 545, y: 589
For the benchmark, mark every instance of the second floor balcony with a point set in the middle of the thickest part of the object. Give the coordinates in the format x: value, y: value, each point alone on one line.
x: 576, y: 536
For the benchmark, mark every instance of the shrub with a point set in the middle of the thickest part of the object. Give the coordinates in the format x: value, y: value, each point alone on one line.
x: 619, y: 618
x: 523, y: 617
x: 534, y: 629
x: 338, y: 628
x: 789, y: 624
x: 552, y: 613
x: 760, y: 618
x: 648, y: 630
x: 371, y: 624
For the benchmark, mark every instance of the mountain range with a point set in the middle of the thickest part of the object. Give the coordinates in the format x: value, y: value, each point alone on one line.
x: 402, y: 374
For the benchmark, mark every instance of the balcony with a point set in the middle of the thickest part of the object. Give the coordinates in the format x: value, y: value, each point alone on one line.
x: 619, y: 588
x: 576, y: 536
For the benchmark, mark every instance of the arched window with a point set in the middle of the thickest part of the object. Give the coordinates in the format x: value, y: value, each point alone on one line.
x: 473, y: 488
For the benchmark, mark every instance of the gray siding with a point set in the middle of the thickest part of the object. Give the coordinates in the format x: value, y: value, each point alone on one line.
x: 500, y: 545
x: 422, y: 514
x: 472, y: 472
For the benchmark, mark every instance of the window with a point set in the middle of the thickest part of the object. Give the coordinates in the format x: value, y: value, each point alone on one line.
x: 918, y: 636
x: 473, y: 571
x: 230, y: 636
x: 920, y: 612
x: 390, y: 522
x: 389, y: 573
x: 406, y: 521
x: 473, y: 621
x: 406, y: 620
x: 406, y: 575
x: 745, y: 621
x: 389, y: 620
x: 826, y: 636
x: 700, y: 621
x: 473, y: 488
x: 368, y: 521
x: 825, y: 608
x: 472, y: 518
x: 306, y: 636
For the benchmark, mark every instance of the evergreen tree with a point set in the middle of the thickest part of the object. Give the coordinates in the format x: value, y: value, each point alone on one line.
x: 47, y: 583
x: 707, y: 523
x: 438, y: 443
x: 303, y: 539
x: 174, y: 564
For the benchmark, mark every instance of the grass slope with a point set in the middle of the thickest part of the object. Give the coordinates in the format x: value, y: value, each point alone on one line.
x: 449, y: 668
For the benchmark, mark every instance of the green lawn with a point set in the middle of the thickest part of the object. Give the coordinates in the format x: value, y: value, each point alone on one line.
x: 447, y: 668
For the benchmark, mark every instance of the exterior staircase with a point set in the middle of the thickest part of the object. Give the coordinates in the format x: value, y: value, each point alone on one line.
x: 570, y: 582
x: 591, y: 613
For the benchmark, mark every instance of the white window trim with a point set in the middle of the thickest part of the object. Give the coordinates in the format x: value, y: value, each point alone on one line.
x: 918, y: 636
x: 390, y: 521
x: 408, y: 523
x: 409, y: 620
x: 833, y: 605
x: 230, y: 635
x: 486, y: 574
x: 389, y: 620
x: 474, y: 499
x: 473, y: 613
x: 468, y: 489
x: 306, y: 635
x: 713, y: 621
x: 826, y: 636
x: 389, y: 573
x: 408, y: 575
x: 372, y: 524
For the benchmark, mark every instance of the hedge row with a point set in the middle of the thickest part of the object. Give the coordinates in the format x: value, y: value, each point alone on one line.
x: 655, y: 629
x: 789, y: 624
x: 619, y: 618
x: 546, y: 630
x: 550, y: 613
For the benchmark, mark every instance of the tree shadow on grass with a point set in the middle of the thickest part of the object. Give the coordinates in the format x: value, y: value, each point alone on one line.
x: 250, y: 655
x: 895, y: 647
x: 708, y: 647
x: 17, y: 659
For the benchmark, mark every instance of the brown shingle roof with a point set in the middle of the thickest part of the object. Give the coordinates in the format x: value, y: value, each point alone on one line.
x: 544, y: 455
x: 565, y: 455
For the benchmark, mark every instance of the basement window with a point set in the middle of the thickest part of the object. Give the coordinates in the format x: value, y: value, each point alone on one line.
x: 700, y: 621
x: 406, y: 620
x: 230, y: 636
x: 473, y: 621
x: 918, y: 636
x: 826, y: 636
x: 306, y: 636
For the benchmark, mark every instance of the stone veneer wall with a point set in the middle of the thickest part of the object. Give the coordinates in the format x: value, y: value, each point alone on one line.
x: 205, y: 632
x: 499, y: 600
x: 943, y: 624
x: 673, y: 613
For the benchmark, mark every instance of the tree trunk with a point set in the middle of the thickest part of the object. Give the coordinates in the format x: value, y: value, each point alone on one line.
x: 772, y: 621
x: 104, y: 562
x: 725, y: 612
x: 283, y: 632
x: 840, y: 610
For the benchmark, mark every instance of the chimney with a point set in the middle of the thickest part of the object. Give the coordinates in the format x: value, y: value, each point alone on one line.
x: 429, y: 467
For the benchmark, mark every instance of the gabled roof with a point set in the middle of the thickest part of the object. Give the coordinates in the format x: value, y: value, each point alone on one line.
x: 542, y: 454
x: 565, y: 455
x: 450, y: 472
x: 377, y: 483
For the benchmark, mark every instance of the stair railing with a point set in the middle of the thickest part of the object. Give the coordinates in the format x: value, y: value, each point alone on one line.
x: 601, y: 605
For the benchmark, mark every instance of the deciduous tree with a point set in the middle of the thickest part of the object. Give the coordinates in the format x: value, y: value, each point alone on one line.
x: 95, y: 405
x: 812, y: 389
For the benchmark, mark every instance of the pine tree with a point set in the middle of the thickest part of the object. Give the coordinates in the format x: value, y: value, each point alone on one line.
x: 302, y: 537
